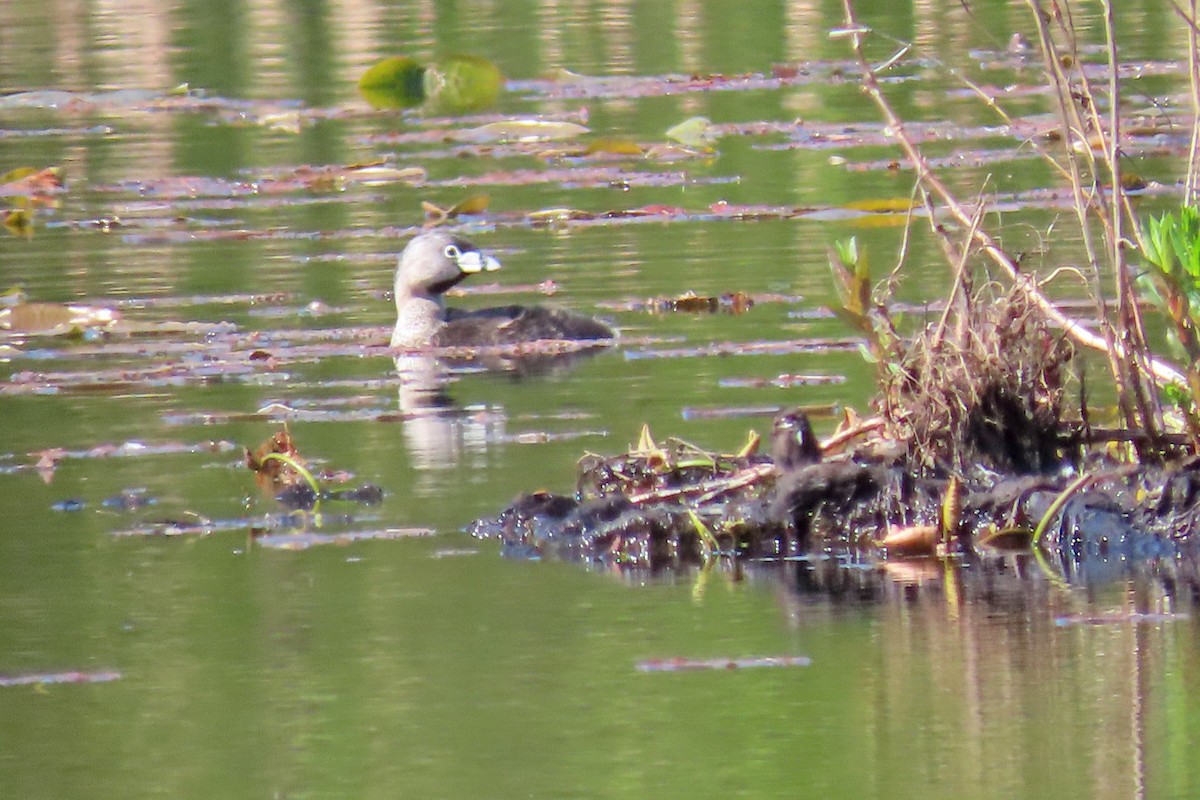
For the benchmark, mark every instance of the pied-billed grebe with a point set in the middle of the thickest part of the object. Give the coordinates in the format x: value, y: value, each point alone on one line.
x: 435, y: 261
x: 793, y: 443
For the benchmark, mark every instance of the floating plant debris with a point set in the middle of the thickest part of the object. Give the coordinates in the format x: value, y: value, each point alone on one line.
x: 279, y: 467
x: 301, y: 496
x: 474, y: 204
x: 304, y: 178
x: 29, y: 183
x: 282, y: 472
x: 49, y: 678
x: 566, y: 85
x: 700, y: 664
x: 786, y: 347
x: 306, y: 540
x: 526, y: 130
x: 49, y: 458
x: 545, y: 437
x: 129, y: 500
x: 781, y: 381
x: 454, y: 552
x: 1118, y: 618
x: 690, y: 302
x: 729, y: 302
x: 547, y: 287
x: 727, y: 412
x: 53, y: 319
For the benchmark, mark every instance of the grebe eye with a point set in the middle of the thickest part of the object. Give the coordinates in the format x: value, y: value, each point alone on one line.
x: 452, y: 252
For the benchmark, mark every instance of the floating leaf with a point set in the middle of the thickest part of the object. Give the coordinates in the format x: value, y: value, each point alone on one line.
x: 667, y: 151
x: 32, y: 183
x: 283, y: 121
x: 463, y: 83
x: 694, y: 132
x: 526, y: 130
x: 379, y: 174
x: 19, y: 222
x: 548, y: 216
x: 621, y: 147
x: 396, y: 82
x: 54, y: 319
x: 473, y: 204
x: 882, y: 205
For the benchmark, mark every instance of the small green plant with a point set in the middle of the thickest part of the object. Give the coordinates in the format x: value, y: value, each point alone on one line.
x: 1172, y: 282
x: 852, y: 279
x: 1172, y: 250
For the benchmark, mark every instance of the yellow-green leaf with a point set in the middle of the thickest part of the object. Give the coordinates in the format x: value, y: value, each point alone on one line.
x: 53, y: 318
x: 694, y: 132
x: 527, y: 130
x: 463, y: 83
x: 622, y: 147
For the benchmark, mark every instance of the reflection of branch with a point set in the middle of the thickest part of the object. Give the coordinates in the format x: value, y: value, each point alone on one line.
x: 1191, y: 188
x: 1076, y: 330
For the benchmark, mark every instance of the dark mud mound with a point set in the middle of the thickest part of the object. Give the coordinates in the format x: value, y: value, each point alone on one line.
x: 660, y: 508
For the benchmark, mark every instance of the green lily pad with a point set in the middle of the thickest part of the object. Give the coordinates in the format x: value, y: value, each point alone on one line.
x: 396, y: 82
x: 463, y: 83
x: 454, y: 84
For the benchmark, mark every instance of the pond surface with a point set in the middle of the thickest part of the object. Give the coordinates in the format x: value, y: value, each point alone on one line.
x: 153, y: 643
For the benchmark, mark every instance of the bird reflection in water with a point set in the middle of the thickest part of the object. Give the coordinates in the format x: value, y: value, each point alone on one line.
x: 522, y: 341
x: 440, y: 434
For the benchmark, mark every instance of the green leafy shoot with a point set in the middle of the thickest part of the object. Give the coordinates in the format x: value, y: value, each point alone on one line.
x: 852, y: 280
x: 1172, y: 283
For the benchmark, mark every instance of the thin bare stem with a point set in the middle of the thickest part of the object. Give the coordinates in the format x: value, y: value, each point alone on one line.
x: 1076, y: 330
x: 1192, y: 185
x: 959, y: 274
x: 991, y: 103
